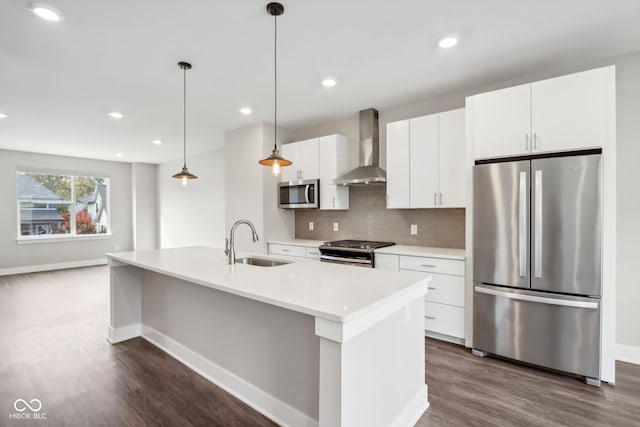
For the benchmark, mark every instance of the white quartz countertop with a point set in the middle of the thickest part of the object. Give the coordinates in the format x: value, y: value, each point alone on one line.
x: 458, y: 254
x: 298, y: 242
x: 330, y: 291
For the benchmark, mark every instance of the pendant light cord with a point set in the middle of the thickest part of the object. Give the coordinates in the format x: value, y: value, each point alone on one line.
x: 275, y: 83
x: 184, y: 116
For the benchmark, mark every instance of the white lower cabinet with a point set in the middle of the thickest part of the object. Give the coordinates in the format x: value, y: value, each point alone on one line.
x: 386, y: 262
x: 294, y: 252
x: 444, y: 319
x: 444, y: 301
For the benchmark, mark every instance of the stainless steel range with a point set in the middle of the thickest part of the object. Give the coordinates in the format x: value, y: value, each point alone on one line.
x: 351, y: 252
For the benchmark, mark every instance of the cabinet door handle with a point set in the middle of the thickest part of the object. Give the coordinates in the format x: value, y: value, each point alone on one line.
x: 440, y: 200
x: 435, y: 199
x: 428, y: 266
x: 387, y: 200
x: 535, y: 141
x: 430, y: 317
x: 526, y: 142
x: 334, y: 202
x: 431, y: 288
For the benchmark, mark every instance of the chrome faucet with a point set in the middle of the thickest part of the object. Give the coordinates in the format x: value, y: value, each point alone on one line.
x: 229, y: 249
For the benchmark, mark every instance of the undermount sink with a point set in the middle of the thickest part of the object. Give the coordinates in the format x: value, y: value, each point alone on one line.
x: 261, y: 262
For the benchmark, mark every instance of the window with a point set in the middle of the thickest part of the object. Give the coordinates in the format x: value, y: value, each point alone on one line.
x: 46, y: 203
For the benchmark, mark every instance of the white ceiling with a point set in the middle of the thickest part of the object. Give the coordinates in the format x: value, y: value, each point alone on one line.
x: 58, y: 81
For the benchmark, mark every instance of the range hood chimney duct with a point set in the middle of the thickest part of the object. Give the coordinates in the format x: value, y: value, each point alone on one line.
x: 369, y: 171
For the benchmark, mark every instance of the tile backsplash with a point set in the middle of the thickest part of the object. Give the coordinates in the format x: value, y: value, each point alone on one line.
x: 369, y: 219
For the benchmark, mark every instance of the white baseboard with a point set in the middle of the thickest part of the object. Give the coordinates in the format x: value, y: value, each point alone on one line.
x: 116, y: 335
x: 258, y: 399
x: 628, y: 353
x: 49, y: 267
x: 414, y: 409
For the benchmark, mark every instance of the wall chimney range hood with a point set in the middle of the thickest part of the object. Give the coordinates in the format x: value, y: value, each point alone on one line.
x: 369, y: 171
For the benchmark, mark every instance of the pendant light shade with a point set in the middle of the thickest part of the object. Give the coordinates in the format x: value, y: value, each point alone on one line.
x: 275, y: 160
x: 184, y: 174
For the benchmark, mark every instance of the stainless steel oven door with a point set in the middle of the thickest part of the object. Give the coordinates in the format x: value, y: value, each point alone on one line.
x: 347, y: 261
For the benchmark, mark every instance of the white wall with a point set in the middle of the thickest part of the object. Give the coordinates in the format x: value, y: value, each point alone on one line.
x: 145, y: 206
x: 192, y: 215
x: 628, y: 203
x: 251, y: 189
x: 628, y: 175
x: 16, y: 257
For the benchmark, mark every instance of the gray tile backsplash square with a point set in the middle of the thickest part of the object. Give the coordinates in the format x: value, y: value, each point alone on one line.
x: 369, y: 219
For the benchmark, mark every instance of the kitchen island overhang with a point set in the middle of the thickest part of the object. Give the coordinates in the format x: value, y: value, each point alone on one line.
x: 305, y: 343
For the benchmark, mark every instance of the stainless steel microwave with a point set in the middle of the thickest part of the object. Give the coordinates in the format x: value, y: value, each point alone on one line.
x: 303, y: 194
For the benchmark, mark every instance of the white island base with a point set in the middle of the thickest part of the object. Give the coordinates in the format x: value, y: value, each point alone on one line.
x: 306, y: 344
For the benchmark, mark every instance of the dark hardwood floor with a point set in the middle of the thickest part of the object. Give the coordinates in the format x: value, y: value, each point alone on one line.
x: 53, y: 348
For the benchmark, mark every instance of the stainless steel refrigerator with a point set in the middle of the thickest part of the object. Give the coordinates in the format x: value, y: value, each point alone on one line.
x: 537, y: 227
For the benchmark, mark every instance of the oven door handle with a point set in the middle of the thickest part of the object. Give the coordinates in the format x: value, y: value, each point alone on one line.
x: 345, y: 260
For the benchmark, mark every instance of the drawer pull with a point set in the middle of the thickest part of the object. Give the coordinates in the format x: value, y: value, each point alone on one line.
x: 430, y: 317
x: 314, y: 253
x: 431, y: 288
x: 428, y: 266
x: 285, y: 250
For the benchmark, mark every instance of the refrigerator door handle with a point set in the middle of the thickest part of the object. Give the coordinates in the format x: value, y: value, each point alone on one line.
x: 537, y: 236
x: 533, y: 298
x: 522, y: 225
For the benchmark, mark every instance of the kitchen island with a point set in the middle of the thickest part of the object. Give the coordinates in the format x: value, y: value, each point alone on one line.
x: 305, y: 343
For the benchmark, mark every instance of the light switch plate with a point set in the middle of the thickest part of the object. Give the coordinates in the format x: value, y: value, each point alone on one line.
x: 414, y: 229
x: 310, y: 225
x: 335, y: 226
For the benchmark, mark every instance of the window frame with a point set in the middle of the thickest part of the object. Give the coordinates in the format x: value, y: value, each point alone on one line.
x: 72, y: 235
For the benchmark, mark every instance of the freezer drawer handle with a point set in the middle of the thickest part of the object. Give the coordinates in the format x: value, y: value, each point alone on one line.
x: 543, y: 300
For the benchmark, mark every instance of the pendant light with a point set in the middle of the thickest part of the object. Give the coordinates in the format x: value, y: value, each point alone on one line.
x: 184, y: 174
x: 275, y: 160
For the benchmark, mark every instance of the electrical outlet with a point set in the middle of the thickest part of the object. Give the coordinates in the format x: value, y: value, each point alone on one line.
x: 335, y: 226
x: 414, y: 229
x: 310, y: 226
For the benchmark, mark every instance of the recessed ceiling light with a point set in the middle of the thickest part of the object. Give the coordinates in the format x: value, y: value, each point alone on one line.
x: 448, y: 41
x: 3, y: 115
x: 157, y: 141
x: 119, y: 155
x: 116, y: 115
x: 245, y: 110
x: 45, y: 12
x: 328, y: 82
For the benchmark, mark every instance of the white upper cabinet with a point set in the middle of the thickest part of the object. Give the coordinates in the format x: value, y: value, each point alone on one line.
x: 322, y: 158
x: 425, y: 161
x: 501, y: 121
x: 398, y: 164
x: 451, y: 158
x: 334, y: 161
x: 570, y: 112
x: 305, y: 158
x: 560, y: 114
